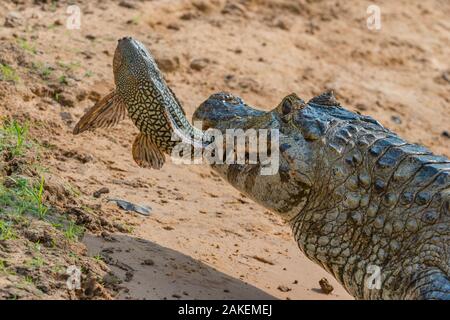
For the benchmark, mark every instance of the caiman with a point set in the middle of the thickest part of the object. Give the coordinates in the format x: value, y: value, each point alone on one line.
x: 367, y: 206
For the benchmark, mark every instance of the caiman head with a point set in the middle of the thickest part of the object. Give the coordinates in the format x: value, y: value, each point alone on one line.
x: 286, y: 187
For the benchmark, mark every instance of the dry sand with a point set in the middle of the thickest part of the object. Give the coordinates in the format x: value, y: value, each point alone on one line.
x: 203, y: 239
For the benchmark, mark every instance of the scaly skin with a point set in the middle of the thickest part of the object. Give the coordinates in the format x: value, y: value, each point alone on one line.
x: 151, y: 104
x: 355, y: 194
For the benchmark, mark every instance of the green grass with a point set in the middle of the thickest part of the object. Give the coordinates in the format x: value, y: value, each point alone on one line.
x: 5, y: 270
x: 37, y: 247
x: 135, y: 20
x: 53, y: 6
x: 69, y: 66
x: 73, y: 190
x: 13, y: 137
x: 63, y: 80
x: 36, y: 195
x: 43, y: 70
x: 58, y: 269
x: 25, y: 45
x: 56, y: 96
x: 73, y: 231
x: 29, y: 279
x: 12, y: 199
x: 25, y: 196
x: 2, y: 266
x: 98, y: 257
x: 7, y: 73
x: 22, y: 198
x: 6, y: 231
x: 35, y: 262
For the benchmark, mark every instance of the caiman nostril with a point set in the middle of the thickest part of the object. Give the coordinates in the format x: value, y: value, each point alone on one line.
x: 124, y: 38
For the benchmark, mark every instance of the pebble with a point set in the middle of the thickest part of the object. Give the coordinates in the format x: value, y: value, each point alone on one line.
x: 199, y: 64
x: 100, y: 191
x: 188, y: 16
x: 201, y: 6
x: 283, y: 288
x: 326, y: 287
x: 282, y: 25
x: 234, y: 9
x: 127, y: 4
x: 173, y: 26
x: 148, y: 262
x: 168, y: 64
x: 13, y: 19
x: 65, y: 99
x: 361, y: 106
x: 396, y: 119
x: 129, y: 276
x: 66, y: 116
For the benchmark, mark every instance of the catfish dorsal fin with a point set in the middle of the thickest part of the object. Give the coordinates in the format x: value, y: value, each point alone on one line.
x: 146, y: 153
x: 104, y: 114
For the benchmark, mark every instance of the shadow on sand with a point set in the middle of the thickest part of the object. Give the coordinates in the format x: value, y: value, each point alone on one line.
x: 150, y: 271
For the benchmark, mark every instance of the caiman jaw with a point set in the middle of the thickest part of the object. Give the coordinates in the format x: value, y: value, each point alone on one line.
x: 224, y: 111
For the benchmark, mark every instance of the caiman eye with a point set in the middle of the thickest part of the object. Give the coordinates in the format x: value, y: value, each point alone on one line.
x: 286, y: 107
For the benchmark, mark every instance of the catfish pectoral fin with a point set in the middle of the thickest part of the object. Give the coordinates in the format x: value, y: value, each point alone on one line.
x: 146, y: 153
x: 104, y: 114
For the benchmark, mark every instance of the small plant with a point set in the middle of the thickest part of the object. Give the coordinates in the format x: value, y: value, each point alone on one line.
x: 43, y: 70
x: 6, y: 231
x: 29, y: 279
x: 75, y: 259
x: 7, y: 73
x: 25, y: 45
x: 37, y: 247
x: 135, y: 20
x: 72, y: 190
x: 12, y: 201
x: 6, y: 198
x: 70, y: 66
x: 36, y: 193
x: 63, y: 80
x: 2, y: 266
x: 89, y: 74
x: 53, y: 6
x: 36, y: 262
x: 98, y: 257
x: 4, y: 269
x: 57, y: 269
x: 17, y: 132
x: 73, y: 231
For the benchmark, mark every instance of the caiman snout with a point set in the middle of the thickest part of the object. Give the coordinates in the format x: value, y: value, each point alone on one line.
x: 222, y: 110
x: 124, y: 38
